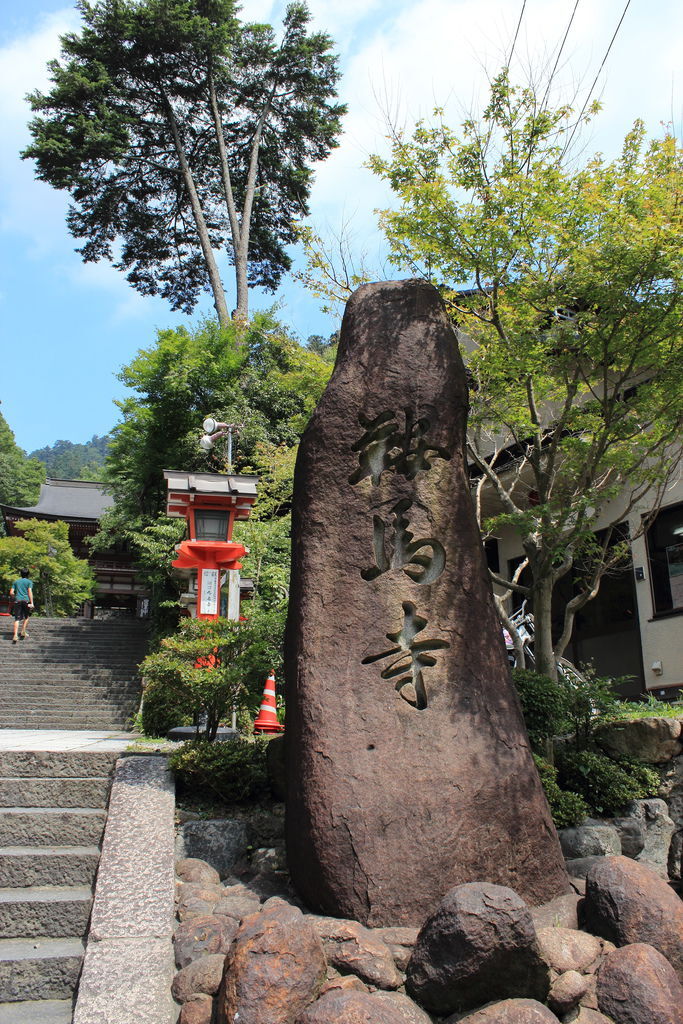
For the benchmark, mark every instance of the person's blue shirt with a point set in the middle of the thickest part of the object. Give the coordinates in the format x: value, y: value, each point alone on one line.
x: 21, y: 588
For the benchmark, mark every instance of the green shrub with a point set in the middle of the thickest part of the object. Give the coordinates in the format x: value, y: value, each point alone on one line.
x: 163, y: 709
x: 210, y: 666
x: 235, y: 772
x: 544, y: 706
x: 567, y: 808
x: 606, y: 785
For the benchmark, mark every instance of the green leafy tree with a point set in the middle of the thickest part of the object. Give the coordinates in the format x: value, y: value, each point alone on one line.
x: 269, y: 385
x: 179, y: 131
x: 567, y: 278
x: 61, y: 582
x: 20, y: 476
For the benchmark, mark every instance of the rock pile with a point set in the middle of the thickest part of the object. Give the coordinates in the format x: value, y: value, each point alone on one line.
x: 483, y: 957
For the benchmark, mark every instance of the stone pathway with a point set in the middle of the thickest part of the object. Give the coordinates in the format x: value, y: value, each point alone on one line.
x: 65, y: 739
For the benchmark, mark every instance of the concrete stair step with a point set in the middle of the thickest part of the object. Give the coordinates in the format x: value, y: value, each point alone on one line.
x: 51, y: 826
x: 29, y: 792
x: 71, y: 725
x: 74, y: 722
x: 44, y: 910
x: 31, y: 701
x: 46, y: 1011
x: 23, y: 866
x: 52, y: 764
x: 39, y: 969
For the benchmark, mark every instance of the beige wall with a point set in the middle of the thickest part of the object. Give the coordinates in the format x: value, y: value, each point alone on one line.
x: 661, y: 639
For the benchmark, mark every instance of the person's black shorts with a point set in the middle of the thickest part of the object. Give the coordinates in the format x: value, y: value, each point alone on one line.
x: 21, y: 610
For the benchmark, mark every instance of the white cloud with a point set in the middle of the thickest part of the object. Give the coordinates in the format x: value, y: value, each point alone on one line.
x: 438, y: 53
x: 29, y: 208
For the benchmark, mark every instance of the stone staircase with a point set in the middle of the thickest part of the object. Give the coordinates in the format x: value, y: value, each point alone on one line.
x: 71, y: 674
x: 52, y: 816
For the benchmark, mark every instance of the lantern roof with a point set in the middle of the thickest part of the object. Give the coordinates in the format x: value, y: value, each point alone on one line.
x: 210, y: 490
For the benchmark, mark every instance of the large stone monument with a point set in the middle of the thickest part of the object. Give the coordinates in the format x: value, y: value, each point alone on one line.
x: 408, y: 765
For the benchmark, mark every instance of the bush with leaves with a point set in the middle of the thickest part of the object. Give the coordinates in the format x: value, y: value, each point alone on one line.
x: 207, y: 667
x: 235, y: 772
x: 545, y: 706
x: 567, y: 808
x: 606, y: 785
x: 163, y: 708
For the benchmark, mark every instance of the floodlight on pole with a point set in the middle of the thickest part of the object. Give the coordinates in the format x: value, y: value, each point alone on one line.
x: 214, y: 430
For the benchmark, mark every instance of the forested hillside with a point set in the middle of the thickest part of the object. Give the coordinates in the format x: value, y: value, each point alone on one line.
x: 65, y: 460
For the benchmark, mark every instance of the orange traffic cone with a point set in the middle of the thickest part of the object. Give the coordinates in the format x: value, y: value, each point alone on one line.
x: 266, y: 720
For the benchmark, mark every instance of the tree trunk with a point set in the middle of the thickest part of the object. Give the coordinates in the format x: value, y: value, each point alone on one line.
x: 242, y: 307
x: 200, y: 222
x: 542, y: 592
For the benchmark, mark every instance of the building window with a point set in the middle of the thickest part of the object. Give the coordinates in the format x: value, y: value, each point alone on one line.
x: 211, y: 525
x: 665, y: 551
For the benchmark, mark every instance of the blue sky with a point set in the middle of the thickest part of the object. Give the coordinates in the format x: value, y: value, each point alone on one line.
x: 66, y: 328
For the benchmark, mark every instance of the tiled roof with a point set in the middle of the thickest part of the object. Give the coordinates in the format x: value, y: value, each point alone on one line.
x: 69, y: 499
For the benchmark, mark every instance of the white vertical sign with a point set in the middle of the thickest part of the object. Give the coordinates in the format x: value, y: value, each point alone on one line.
x: 209, y: 592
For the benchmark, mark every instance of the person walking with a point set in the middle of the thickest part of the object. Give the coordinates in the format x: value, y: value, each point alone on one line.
x: 22, y: 592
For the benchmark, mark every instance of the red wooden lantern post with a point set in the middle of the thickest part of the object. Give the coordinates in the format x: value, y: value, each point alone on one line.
x: 211, y: 503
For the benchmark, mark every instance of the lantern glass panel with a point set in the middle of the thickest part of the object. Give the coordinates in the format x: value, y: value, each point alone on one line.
x: 211, y: 525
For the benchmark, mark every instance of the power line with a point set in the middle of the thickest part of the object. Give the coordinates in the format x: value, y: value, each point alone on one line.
x: 559, y: 54
x: 514, y: 41
x: 604, y: 59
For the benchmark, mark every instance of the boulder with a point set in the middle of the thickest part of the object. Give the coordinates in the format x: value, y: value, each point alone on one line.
x: 508, y: 1011
x: 337, y: 1007
x: 201, y: 936
x: 637, y: 985
x: 408, y: 764
x: 221, y: 843
x: 238, y: 902
x: 343, y: 983
x: 627, y: 902
x: 400, y: 941
x: 196, y: 900
x: 672, y: 791
x: 478, y: 945
x: 275, y: 968
x: 197, y: 1010
x: 353, y: 949
x: 565, y: 949
x: 200, y: 976
x: 411, y: 1012
x: 650, y: 740
x: 592, y: 839
x: 587, y: 1015
x: 580, y: 867
x: 190, y: 869
x: 558, y: 913
x: 649, y: 821
x: 567, y: 991
x: 197, y: 890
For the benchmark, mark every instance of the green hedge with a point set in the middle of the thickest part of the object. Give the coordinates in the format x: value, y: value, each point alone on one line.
x: 607, y: 786
x: 234, y: 772
x: 162, y: 709
x: 567, y: 808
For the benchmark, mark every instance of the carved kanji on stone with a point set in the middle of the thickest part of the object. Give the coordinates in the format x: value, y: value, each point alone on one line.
x: 423, y: 560
x: 387, y: 446
x: 402, y: 720
x: 412, y: 657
